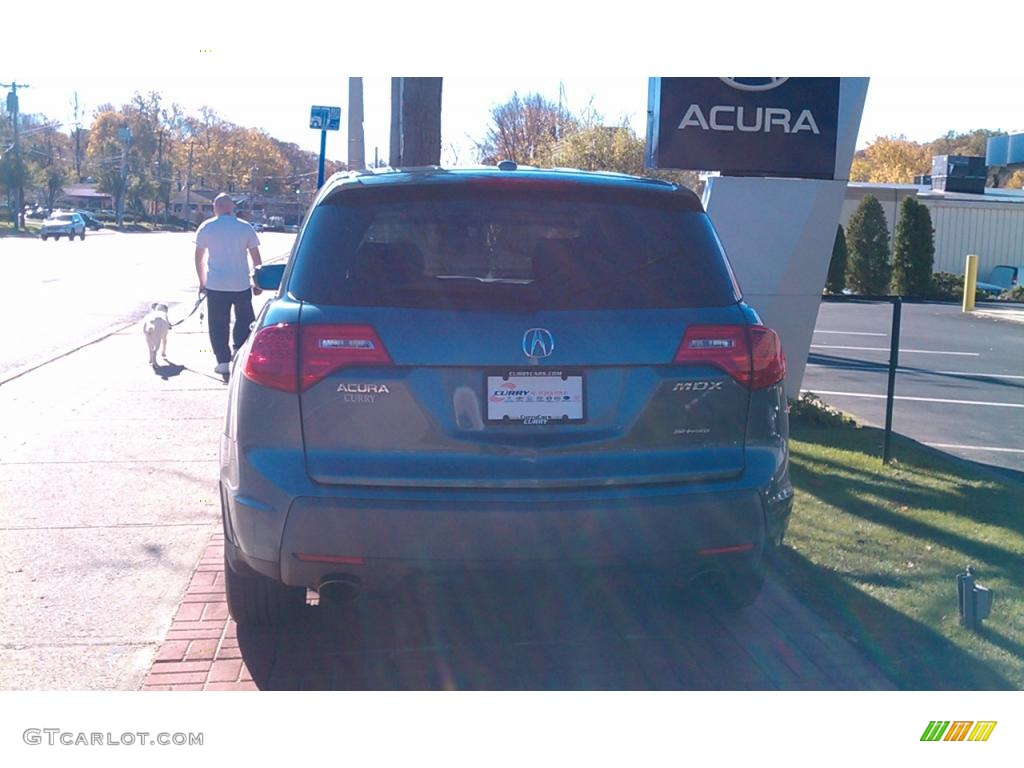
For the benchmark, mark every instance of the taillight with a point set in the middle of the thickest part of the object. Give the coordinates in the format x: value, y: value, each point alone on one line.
x: 752, y: 355
x: 326, y: 348
x: 768, y: 364
x: 274, y: 359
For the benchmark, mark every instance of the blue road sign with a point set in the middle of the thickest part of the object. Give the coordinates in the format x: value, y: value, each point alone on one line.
x: 325, y: 118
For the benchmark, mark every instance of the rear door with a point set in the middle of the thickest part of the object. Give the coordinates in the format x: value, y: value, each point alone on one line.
x: 491, y: 335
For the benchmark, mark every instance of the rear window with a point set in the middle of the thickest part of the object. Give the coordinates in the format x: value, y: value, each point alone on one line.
x: 477, y: 247
x: 1002, y: 276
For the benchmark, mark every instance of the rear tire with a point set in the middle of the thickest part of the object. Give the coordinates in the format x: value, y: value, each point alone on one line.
x: 741, y: 586
x: 255, y: 600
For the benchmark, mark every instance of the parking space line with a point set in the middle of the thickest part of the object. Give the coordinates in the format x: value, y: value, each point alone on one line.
x: 853, y: 333
x: 982, y: 375
x: 915, y: 399
x: 975, y: 447
x: 902, y: 350
x: 882, y: 368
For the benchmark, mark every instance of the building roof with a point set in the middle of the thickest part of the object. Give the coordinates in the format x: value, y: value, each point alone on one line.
x: 83, y: 190
x: 925, y: 191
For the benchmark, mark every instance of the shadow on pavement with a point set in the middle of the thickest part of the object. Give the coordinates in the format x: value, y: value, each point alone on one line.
x: 581, y: 632
x: 168, y: 371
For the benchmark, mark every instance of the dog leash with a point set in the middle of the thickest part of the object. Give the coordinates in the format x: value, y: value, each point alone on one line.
x: 199, y: 302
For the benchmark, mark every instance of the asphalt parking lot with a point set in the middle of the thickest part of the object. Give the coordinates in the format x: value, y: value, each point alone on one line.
x: 959, y: 387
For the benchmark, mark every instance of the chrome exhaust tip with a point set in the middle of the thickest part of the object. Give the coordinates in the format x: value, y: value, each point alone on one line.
x: 340, y: 588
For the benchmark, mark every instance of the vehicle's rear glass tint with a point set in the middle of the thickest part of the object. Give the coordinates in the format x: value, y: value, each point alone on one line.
x: 555, y: 248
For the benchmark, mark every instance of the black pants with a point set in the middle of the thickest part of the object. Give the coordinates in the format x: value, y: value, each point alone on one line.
x: 219, y: 305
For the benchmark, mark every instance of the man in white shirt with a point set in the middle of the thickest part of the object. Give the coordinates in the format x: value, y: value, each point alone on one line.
x: 225, y: 276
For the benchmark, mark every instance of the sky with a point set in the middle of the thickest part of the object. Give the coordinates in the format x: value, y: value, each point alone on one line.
x: 267, y: 69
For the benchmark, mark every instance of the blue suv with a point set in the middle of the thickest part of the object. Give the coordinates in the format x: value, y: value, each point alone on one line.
x: 501, y: 368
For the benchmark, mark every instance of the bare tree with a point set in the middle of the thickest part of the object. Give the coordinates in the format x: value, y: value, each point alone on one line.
x: 524, y: 130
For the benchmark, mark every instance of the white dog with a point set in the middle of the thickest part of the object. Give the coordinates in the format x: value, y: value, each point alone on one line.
x: 155, y: 327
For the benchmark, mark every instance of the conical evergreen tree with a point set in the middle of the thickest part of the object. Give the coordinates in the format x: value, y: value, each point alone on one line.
x: 913, y: 250
x: 867, y: 243
x: 836, y: 280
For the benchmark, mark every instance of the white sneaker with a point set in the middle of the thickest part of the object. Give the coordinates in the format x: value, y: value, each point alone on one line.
x: 222, y: 368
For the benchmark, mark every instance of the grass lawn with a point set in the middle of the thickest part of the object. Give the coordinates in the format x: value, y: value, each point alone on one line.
x: 7, y: 228
x: 876, y: 550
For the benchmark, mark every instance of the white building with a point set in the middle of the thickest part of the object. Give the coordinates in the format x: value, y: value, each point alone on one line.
x: 990, y: 225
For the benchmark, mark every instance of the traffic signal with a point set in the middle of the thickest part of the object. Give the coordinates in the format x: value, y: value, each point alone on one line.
x: 266, y: 185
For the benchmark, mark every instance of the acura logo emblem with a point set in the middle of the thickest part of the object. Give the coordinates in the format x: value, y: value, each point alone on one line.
x: 754, y: 83
x: 538, y: 342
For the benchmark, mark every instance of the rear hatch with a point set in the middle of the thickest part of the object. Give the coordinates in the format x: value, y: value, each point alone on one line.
x: 518, y: 334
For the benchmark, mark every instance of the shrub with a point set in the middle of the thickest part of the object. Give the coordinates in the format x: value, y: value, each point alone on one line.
x: 836, y: 280
x: 867, y: 242
x: 945, y: 286
x: 913, y: 250
x: 1013, y: 294
x: 810, y: 411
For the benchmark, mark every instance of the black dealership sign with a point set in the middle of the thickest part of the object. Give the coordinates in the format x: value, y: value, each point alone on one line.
x: 745, y: 126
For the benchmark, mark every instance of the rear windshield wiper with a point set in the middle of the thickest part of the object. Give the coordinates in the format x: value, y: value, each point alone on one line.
x: 485, y: 280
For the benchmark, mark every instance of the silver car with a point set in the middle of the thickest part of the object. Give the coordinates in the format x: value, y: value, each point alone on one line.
x: 70, y: 224
x: 501, y: 369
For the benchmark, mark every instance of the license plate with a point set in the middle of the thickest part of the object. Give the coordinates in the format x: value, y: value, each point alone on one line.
x: 535, y: 397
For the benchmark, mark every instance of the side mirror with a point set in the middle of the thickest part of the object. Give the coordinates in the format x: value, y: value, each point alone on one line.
x: 268, y: 276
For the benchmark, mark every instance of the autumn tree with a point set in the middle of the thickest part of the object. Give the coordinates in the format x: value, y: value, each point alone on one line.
x: 836, y: 280
x: 523, y: 130
x: 913, y: 250
x: 105, y: 154
x: 973, y: 143
x: 891, y: 160
x: 867, y: 245
x: 598, y: 148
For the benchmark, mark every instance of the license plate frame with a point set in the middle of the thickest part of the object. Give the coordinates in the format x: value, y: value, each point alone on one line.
x: 535, y: 397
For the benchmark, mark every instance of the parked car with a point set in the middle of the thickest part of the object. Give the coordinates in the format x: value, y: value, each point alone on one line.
x: 274, y: 224
x: 90, y: 221
x: 70, y: 224
x: 500, y: 368
x: 1001, y: 278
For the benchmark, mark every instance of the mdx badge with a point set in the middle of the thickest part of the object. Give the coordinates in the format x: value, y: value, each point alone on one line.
x: 538, y: 342
x: 697, y: 386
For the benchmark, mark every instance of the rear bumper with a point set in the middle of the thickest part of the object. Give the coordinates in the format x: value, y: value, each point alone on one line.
x: 381, y: 541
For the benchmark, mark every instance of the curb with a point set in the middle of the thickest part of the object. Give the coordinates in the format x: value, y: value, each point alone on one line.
x: 200, y: 651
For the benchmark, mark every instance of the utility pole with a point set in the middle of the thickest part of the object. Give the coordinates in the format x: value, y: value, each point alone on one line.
x: 395, y: 154
x: 125, y: 134
x: 416, y: 121
x: 252, y: 193
x: 12, y: 107
x: 78, y: 141
x: 356, y: 148
x: 188, y: 190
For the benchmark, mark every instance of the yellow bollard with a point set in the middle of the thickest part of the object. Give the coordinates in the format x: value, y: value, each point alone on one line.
x: 970, y: 282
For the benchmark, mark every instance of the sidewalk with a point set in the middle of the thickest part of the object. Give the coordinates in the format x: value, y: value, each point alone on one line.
x: 1013, y: 313
x: 108, y: 474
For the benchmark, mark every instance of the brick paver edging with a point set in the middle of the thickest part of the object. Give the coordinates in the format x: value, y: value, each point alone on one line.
x: 200, y: 652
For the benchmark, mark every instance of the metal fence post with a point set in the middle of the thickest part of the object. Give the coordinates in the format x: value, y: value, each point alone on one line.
x: 894, y: 361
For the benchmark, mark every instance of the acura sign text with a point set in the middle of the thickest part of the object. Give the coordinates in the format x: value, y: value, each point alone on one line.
x: 745, y: 126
